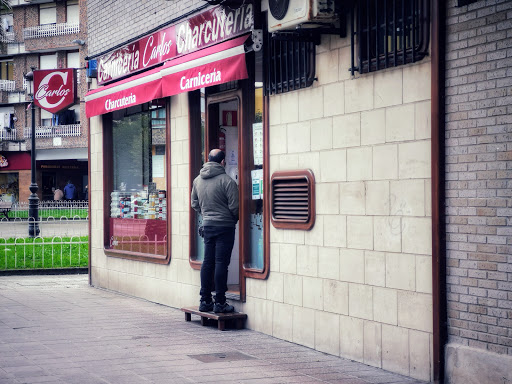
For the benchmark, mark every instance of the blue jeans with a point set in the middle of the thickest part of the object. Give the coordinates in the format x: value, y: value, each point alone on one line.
x: 218, y: 244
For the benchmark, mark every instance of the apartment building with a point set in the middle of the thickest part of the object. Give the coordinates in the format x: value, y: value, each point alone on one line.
x: 41, y: 35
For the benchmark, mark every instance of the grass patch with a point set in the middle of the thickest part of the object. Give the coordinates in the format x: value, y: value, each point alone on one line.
x: 47, y: 252
x: 56, y: 213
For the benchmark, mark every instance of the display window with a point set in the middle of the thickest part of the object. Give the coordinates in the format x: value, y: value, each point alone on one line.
x: 9, y: 187
x: 137, y: 181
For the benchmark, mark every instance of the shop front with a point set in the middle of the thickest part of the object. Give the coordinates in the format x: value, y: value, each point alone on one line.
x: 14, y: 176
x: 207, y: 85
x: 333, y: 248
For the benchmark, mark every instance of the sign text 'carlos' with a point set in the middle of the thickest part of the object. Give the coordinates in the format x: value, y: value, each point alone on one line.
x: 54, y: 89
x: 200, y: 31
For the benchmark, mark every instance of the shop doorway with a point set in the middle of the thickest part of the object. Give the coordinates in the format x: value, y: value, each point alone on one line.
x: 223, y: 132
x: 49, y: 181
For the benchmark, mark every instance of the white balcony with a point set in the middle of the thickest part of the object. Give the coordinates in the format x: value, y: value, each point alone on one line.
x: 7, y: 135
x: 50, y: 30
x: 16, y: 3
x: 7, y: 85
x: 53, y: 131
x: 7, y: 38
x: 15, y: 48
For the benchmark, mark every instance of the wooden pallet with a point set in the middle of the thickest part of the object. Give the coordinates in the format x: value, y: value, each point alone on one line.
x: 222, y: 318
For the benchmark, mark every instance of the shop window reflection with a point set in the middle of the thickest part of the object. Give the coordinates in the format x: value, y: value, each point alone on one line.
x: 138, y: 200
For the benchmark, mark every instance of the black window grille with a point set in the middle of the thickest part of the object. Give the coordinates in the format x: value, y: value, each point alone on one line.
x: 388, y: 33
x: 290, y: 63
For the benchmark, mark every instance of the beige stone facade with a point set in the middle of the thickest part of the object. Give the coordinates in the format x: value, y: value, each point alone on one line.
x: 358, y: 284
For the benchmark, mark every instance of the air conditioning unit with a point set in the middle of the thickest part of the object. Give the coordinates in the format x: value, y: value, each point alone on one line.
x: 288, y: 14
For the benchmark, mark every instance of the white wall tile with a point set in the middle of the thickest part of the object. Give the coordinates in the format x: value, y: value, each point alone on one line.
x: 385, y: 162
x: 312, y: 292
x: 359, y: 94
x: 414, y: 160
x: 329, y: 263
x: 377, y: 197
x: 401, y: 271
x: 360, y: 232
x: 351, y: 338
x: 352, y: 198
x: 417, y: 235
x: 385, y: 305
x: 327, y: 199
x: 299, y: 137
x: 352, y: 265
x: 335, y: 231
x: 359, y: 164
x: 321, y: 134
x: 407, y: 197
x: 360, y: 301
x: 304, y: 326
x: 375, y: 268
x: 395, y: 349
x: 307, y: 260
x: 346, y: 130
x: 335, y: 295
x: 388, y: 86
x: 415, y: 311
x: 333, y: 166
x: 400, y: 123
x: 327, y: 332
x: 293, y: 289
x: 373, y: 344
x: 387, y: 234
x: 334, y: 99
x: 373, y: 127
x: 416, y: 82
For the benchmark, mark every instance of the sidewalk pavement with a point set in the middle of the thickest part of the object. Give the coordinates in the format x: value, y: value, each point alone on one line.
x: 58, y: 329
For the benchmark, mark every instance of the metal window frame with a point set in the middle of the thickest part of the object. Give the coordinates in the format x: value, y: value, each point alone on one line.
x: 290, y: 62
x: 417, y: 24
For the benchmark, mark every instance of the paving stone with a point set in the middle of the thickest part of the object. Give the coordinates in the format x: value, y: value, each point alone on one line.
x: 57, y: 329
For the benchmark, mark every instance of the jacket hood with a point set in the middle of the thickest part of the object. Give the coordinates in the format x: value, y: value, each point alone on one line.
x: 211, y: 169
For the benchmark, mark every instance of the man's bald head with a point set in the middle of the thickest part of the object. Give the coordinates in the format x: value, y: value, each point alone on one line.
x: 216, y: 155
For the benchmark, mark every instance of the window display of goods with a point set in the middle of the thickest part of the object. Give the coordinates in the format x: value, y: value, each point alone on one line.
x: 138, y: 205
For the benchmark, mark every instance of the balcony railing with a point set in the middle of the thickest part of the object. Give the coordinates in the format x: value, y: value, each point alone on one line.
x: 55, y: 131
x: 50, y: 30
x: 8, y: 37
x: 6, y: 135
x: 7, y: 85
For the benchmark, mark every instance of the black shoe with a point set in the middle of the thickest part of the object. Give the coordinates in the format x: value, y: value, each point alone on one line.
x: 223, y: 308
x: 206, y: 307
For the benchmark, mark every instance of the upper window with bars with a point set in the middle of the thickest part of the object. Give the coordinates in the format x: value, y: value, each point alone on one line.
x: 290, y: 63
x: 388, y: 33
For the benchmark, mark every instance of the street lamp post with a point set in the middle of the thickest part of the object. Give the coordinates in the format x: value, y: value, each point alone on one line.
x: 33, y: 200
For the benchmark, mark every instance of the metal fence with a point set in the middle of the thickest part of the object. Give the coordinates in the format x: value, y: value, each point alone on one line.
x: 50, y: 209
x: 62, y: 243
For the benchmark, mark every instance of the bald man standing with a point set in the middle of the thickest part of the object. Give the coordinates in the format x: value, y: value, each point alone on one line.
x: 215, y: 197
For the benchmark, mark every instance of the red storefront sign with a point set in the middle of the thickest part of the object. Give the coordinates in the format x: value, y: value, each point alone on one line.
x: 16, y: 161
x: 210, y: 66
x: 200, y: 31
x: 54, y: 89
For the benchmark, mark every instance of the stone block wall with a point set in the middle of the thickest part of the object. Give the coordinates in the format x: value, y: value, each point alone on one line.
x: 479, y: 175
x: 358, y: 284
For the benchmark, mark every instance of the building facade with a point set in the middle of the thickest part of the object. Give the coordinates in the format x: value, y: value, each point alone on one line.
x: 399, y: 256
x: 478, y: 191
x: 42, y: 35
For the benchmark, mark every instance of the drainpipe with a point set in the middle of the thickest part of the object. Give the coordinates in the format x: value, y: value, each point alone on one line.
x: 437, y: 173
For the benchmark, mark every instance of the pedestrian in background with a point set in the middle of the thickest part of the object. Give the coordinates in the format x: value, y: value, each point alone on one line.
x: 57, y: 194
x: 70, y: 191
